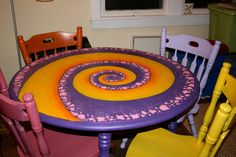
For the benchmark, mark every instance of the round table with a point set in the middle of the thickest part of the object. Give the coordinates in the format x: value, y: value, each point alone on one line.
x: 106, y: 89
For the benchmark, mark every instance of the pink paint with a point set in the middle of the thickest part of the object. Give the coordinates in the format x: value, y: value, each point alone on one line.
x: 101, y: 119
x: 185, y: 92
x: 152, y: 111
x: 135, y: 116
x: 143, y: 112
x: 178, y: 98
x: 120, y: 117
x: 164, y: 107
x: 81, y: 116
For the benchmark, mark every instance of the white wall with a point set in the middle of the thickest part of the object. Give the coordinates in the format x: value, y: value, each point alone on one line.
x: 36, y: 17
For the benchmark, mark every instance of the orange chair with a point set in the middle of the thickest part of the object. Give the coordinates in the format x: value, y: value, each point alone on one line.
x: 44, y: 44
x: 36, y: 140
x: 163, y: 143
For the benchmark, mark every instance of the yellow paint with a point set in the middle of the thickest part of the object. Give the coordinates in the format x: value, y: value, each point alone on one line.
x: 44, y: 82
x: 163, y: 143
x: 157, y: 84
x: 85, y: 74
x: 214, y: 129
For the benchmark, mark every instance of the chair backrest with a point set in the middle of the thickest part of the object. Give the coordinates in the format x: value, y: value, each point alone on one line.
x: 225, y: 116
x: 44, y: 44
x: 14, y: 113
x: 196, y: 53
x: 4, y: 91
x: 3, y: 84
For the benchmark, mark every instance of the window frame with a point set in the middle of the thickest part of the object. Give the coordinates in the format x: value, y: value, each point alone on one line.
x: 173, y: 15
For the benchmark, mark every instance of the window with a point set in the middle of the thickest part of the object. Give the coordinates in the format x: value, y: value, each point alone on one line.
x: 133, y: 4
x: 202, y: 3
x: 200, y: 6
x: 131, y: 7
x: 148, y: 13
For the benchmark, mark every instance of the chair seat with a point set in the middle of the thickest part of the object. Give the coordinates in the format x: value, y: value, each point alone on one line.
x: 163, y: 143
x: 63, y: 145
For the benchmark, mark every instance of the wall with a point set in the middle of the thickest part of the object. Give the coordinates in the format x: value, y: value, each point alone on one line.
x: 36, y: 17
x: 8, y: 54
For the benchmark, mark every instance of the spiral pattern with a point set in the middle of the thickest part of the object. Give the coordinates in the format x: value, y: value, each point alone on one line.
x: 114, y: 79
x: 109, y: 79
x: 104, y: 84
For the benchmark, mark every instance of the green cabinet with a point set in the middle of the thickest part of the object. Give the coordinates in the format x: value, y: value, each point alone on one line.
x: 223, y: 24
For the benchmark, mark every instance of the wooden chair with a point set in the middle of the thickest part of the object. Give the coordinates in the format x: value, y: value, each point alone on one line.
x: 163, y: 143
x: 36, y: 141
x: 3, y: 86
x: 41, y: 45
x: 197, y: 54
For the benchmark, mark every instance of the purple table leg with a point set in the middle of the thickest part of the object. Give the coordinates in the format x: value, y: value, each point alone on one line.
x: 172, y: 126
x: 104, y: 144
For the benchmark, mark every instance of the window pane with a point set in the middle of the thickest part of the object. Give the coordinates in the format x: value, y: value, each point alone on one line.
x: 202, y: 3
x: 133, y: 4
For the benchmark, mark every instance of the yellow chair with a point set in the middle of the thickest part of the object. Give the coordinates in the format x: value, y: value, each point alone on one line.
x: 163, y: 143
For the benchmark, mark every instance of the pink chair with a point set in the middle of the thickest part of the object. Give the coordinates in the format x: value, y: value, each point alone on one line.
x: 3, y: 84
x: 39, y: 141
x: 191, y: 51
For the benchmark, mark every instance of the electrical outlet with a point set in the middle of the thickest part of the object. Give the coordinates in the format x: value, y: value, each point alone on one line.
x: 188, y: 8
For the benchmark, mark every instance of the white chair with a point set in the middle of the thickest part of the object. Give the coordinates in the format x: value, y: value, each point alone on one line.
x: 197, y: 54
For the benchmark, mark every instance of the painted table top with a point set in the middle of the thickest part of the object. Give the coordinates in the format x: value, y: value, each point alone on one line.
x: 105, y: 89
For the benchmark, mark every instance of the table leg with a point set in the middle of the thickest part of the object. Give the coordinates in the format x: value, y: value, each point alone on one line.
x: 172, y: 126
x: 104, y: 140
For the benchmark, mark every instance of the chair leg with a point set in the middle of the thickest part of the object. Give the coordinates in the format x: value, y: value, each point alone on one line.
x: 192, y: 125
x: 1, y: 154
x: 181, y: 119
x: 123, y: 143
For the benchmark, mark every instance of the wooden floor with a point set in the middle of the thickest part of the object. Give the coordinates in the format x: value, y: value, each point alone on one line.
x: 7, y: 146
x: 228, y: 147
